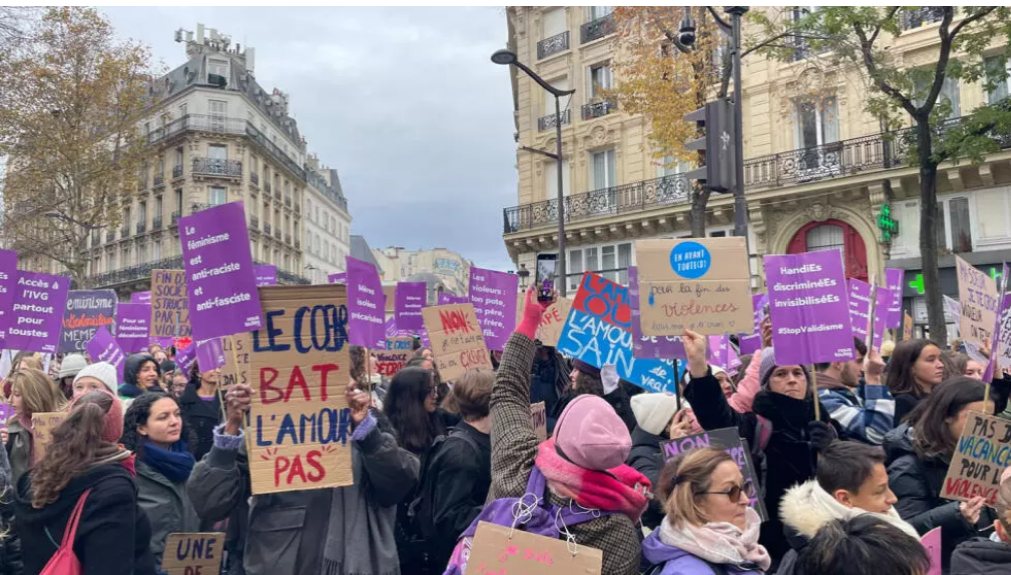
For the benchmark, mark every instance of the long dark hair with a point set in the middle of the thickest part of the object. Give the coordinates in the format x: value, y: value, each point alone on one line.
x: 405, y: 407
x: 931, y: 436
x: 899, y: 373
x: 74, y: 446
x: 138, y: 414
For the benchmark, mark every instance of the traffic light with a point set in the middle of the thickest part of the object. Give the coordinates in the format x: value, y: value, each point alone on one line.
x: 717, y: 120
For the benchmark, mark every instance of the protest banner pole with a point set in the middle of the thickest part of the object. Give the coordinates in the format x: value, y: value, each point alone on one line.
x: 814, y: 384
x: 871, y: 304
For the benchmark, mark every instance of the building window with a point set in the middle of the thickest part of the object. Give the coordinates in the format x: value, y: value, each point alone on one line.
x: 602, y: 169
x: 179, y: 157
x: 142, y: 212
x: 668, y: 166
x: 217, y: 152
x: 217, y: 67
x: 950, y: 93
x: 218, y: 111
x: 598, y: 80
x: 182, y: 111
x: 157, y: 207
x: 610, y: 261
x: 954, y: 228
x: 218, y: 196
x: 816, y: 122
x: 551, y: 179
x: 599, y: 11
x: 998, y: 73
x: 825, y: 237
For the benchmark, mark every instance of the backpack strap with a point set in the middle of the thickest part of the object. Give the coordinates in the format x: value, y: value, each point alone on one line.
x: 763, y: 432
x: 70, y: 533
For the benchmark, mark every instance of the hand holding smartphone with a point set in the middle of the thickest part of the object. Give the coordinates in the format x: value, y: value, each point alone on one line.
x: 546, y: 274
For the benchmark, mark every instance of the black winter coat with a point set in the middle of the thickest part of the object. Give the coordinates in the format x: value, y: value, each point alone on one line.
x: 113, y: 536
x: 981, y: 555
x: 917, y: 484
x: 904, y: 404
x: 789, y: 457
x: 548, y: 381
x: 201, y: 417
x: 647, y: 458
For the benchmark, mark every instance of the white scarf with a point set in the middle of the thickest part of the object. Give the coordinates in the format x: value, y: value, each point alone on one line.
x: 721, y: 543
x: 823, y: 504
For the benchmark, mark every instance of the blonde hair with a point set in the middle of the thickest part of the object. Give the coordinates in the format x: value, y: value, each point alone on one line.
x: 38, y: 393
x: 471, y: 395
x: 683, y: 479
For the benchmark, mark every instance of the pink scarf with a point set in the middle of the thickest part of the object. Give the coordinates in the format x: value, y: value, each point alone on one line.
x: 621, y: 489
x: 719, y: 542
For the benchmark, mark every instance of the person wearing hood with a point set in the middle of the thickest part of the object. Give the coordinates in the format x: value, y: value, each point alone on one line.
x: 709, y: 528
x: 84, y: 461
x: 786, y: 405
x: 919, y: 454
x: 31, y: 392
x: 97, y: 376
x: 549, y: 380
x: 989, y: 555
x: 851, y: 481
x: 140, y: 375
x: 72, y: 365
x: 865, y: 411
x: 657, y: 420
x: 154, y: 430
x: 201, y: 408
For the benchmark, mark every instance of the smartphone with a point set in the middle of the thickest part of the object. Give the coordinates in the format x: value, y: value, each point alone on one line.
x: 546, y: 274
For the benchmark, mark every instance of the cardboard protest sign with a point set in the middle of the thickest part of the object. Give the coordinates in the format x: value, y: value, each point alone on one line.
x: 193, y: 553
x: 809, y: 308
x: 365, y: 304
x: 977, y: 292
x: 982, y: 454
x: 140, y: 297
x: 266, y: 275
x: 210, y: 354
x: 907, y: 326
x: 104, y: 347
x: 860, y: 303
x: 8, y: 274
x: 221, y: 284
x: 499, y: 550
x: 448, y: 298
x: 493, y: 296
x: 339, y: 278
x: 457, y: 341
x: 410, y: 299
x: 552, y: 322
x: 599, y: 332
x: 649, y: 346
x: 893, y: 281
x: 86, y: 312
x: 540, y: 420
x: 132, y: 320
x: 236, y: 369
x: 300, y: 366
x: 394, y: 355
x: 952, y: 313
x: 699, y: 284
x: 932, y: 543
x: 170, y: 312
x: 728, y: 440
x: 37, y: 312
x: 43, y: 425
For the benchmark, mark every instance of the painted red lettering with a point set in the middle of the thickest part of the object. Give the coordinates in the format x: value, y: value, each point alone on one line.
x: 297, y: 379
x: 323, y: 371
x: 473, y: 358
x: 268, y: 376
x: 281, y: 465
x: 312, y: 459
x: 454, y: 321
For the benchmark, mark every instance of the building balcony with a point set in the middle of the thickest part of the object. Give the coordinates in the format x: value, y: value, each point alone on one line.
x: 266, y: 228
x: 596, y: 29
x: 549, y: 121
x: 254, y: 178
x: 175, y: 219
x: 287, y: 201
x: 177, y: 172
x: 141, y: 228
x: 217, y: 167
x: 921, y: 16
x: 156, y: 224
x: 598, y: 109
x: 254, y: 223
x: 277, y: 194
x: 159, y: 180
x: 110, y: 236
x: 277, y: 234
x: 553, y: 45
x: 287, y: 239
x: 266, y: 185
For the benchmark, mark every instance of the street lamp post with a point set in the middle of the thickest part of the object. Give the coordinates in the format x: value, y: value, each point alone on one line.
x: 507, y: 57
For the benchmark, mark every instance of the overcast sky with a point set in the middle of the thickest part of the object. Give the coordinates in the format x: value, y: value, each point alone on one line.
x: 404, y: 102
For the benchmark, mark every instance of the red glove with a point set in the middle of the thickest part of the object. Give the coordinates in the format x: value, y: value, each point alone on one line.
x: 532, y: 312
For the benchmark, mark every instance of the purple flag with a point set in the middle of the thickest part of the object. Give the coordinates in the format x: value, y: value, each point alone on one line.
x: 37, y: 313
x: 894, y: 279
x: 337, y: 278
x: 758, y: 303
x: 6, y: 411
x: 140, y: 297
x: 86, y: 312
x: 185, y: 358
x: 132, y: 321
x: 390, y: 328
x: 860, y: 297
x: 223, y: 298
x: 210, y: 354
x: 103, y: 347
x: 992, y: 365
x: 494, y: 297
x: 410, y: 298
x: 647, y: 346
x: 8, y: 275
x: 449, y: 299
x: 366, y: 305
x: 265, y: 275
x: 809, y: 308
x: 749, y: 343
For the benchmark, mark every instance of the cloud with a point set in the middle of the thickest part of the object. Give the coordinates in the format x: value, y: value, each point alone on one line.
x: 404, y: 102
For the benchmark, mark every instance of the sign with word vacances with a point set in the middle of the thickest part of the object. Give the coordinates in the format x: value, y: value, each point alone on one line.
x: 500, y: 550
x: 728, y: 440
x: 193, y: 553
x: 457, y: 340
x: 300, y: 425
x: 981, y: 455
x: 702, y: 285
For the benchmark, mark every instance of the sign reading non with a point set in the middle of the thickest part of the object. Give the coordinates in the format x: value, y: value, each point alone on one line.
x: 457, y: 341
x: 86, y: 312
x: 37, y: 313
x: 170, y: 313
x: 981, y: 456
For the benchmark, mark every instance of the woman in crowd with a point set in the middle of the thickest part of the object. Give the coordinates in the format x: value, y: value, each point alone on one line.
x: 919, y: 454
x: 72, y: 365
x: 160, y: 356
x: 864, y: 544
x: 140, y: 375
x: 358, y: 520
x: 97, y: 376
x: 84, y: 461
x: 154, y: 431
x: 179, y: 382
x: 786, y: 405
x: 583, y: 462
x: 31, y: 392
x: 709, y: 528
x: 201, y: 408
x: 964, y: 366
x: 367, y: 374
x: 168, y: 369
x: 915, y: 368
x: 657, y: 420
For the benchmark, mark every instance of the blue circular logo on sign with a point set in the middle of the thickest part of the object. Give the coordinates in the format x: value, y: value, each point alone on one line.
x: 690, y: 260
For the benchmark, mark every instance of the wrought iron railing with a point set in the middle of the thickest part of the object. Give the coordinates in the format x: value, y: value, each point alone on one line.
x: 921, y: 17
x: 177, y: 172
x: 596, y: 29
x: 217, y: 167
x: 156, y: 224
x: 143, y: 272
x: 549, y: 121
x: 553, y: 45
x: 271, y: 148
x: 598, y: 109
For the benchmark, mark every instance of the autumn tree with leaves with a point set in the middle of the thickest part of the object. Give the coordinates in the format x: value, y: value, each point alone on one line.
x: 974, y: 45
x: 71, y: 102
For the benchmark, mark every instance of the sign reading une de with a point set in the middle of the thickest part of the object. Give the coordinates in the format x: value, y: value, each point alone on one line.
x: 299, y: 366
x: 37, y: 313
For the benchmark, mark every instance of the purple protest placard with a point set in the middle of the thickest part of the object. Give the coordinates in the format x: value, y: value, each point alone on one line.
x: 185, y: 358
x: 809, y: 308
x: 366, y: 305
x: 140, y: 297
x: 758, y: 302
x: 894, y: 279
x: 749, y: 344
x: 223, y: 299
x: 338, y: 278
x: 37, y: 313
x: 449, y: 299
x: 8, y: 275
x: 410, y: 298
x: 860, y: 298
x: 132, y: 321
x: 6, y: 411
x: 494, y: 297
x: 265, y: 275
x: 647, y: 346
x: 210, y: 354
x: 994, y: 355
x: 103, y: 347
